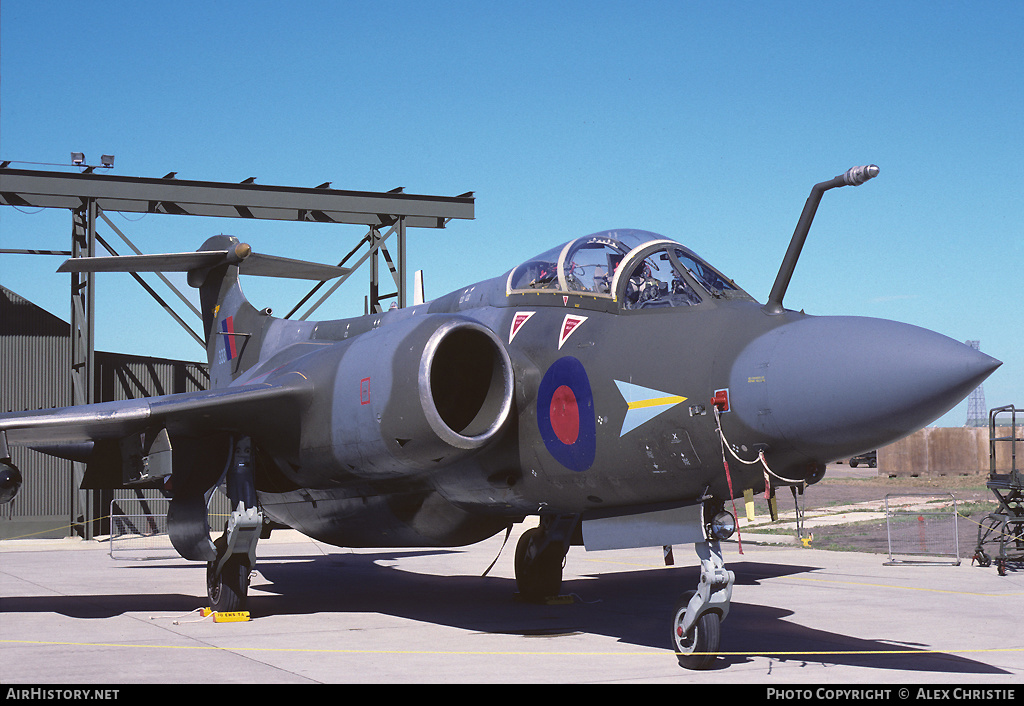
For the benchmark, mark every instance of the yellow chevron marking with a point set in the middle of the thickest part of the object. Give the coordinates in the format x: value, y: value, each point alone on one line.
x: 655, y: 402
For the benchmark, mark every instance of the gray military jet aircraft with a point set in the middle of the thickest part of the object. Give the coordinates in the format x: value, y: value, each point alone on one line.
x: 610, y: 386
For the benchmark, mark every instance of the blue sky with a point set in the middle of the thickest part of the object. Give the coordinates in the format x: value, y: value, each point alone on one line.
x: 707, y: 122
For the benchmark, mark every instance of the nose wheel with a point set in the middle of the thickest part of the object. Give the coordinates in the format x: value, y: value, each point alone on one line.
x: 696, y: 647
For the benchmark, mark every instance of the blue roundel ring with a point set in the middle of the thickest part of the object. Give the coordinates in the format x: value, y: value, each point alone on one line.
x: 565, y: 414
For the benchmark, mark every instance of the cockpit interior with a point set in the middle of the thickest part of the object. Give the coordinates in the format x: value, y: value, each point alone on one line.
x: 636, y: 268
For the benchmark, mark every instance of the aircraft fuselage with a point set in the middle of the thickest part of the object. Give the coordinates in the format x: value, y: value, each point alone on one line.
x: 611, y: 410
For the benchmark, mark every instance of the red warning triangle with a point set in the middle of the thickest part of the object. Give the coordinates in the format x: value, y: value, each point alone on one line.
x: 518, y: 320
x: 570, y: 323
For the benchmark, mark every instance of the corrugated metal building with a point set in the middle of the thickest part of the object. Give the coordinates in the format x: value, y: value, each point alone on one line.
x: 35, y: 359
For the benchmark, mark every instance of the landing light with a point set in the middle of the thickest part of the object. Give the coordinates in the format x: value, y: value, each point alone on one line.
x: 723, y: 525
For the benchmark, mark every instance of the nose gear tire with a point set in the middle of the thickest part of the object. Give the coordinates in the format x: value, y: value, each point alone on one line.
x: 695, y: 649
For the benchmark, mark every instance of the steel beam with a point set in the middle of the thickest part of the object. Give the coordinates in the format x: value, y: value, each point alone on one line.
x: 28, y: 188
x: 83, y: 351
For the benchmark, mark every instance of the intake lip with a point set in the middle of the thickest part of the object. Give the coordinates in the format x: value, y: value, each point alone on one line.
x: 465, y: 384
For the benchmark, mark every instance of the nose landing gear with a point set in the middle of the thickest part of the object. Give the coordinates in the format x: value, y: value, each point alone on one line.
x: 696, y: 621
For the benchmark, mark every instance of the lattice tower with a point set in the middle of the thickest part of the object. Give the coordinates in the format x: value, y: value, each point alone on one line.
x: 977, y: 412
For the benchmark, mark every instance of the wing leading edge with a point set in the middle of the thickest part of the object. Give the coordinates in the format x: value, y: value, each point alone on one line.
x: 233, y: 409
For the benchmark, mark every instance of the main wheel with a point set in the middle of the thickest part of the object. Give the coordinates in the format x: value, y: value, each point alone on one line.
x: 542, y: 577
x: 695, y: 649
x: 228, y: 591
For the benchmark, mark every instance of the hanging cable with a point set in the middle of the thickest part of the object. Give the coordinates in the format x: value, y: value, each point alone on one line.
x: 728, y: 479
x: 760, y: 454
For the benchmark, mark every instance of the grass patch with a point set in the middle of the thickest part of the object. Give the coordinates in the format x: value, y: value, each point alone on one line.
x: 967, y: 509
x: 950, y: 482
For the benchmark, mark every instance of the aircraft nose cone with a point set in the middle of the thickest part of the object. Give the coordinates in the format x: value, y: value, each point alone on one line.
x: 830, y: 387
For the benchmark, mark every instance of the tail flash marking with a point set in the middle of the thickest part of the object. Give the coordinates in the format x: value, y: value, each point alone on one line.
x: 227, y: 326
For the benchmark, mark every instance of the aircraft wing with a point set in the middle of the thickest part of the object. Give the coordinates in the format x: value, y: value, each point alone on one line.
x: 233, y: 409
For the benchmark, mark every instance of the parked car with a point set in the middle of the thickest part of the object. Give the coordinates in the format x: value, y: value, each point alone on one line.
x: 870, y: 458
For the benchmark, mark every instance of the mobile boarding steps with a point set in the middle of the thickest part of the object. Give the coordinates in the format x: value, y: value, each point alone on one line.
x: 1001, y: 533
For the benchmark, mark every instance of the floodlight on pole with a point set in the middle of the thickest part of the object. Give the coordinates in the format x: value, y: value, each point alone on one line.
x: 78, y: 158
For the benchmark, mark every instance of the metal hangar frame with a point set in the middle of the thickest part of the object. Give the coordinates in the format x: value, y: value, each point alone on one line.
x: 88, y: 195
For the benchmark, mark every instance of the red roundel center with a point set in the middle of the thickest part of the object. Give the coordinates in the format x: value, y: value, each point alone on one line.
x: 565, y: 415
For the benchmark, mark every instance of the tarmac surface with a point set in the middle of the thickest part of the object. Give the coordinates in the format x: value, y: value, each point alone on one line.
x: 72, y: 614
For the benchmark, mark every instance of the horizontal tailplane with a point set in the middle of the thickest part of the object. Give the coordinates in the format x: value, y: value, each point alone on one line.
x: 234, y: 328
x: 249, y: 263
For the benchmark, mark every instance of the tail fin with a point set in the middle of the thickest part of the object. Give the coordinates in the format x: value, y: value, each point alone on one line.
x: 229, y: 321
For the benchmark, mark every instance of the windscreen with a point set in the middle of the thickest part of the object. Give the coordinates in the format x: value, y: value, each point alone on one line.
x: 662, y: 272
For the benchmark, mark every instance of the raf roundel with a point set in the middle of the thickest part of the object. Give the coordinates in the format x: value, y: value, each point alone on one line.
x: 565, y: 414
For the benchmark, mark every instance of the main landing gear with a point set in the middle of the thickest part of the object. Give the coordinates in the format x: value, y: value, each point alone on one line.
x: 540, y: 555
x: 227, y: 575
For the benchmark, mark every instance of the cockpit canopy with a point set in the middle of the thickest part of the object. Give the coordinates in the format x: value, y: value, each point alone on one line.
x: 636, y: 268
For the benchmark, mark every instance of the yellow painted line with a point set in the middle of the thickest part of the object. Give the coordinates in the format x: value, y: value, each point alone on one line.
x: 655, y: 402
x: 544, y: 653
